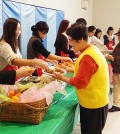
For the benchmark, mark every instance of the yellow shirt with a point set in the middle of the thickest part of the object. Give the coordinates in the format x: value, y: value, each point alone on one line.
x: 95, y: 95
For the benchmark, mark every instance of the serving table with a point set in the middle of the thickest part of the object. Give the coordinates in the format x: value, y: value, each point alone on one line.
x: 61, y: 117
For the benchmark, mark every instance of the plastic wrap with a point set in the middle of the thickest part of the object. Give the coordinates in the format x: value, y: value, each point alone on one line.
x: 36, y: 93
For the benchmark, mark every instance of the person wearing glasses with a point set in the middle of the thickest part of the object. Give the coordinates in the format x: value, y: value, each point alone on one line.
x: 91, y: 81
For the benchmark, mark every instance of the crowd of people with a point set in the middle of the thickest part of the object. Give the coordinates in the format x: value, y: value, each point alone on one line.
x: 91, y: 77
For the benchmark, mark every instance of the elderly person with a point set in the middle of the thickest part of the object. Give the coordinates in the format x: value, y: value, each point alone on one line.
x: 91, y: 80
x: 115, y: 62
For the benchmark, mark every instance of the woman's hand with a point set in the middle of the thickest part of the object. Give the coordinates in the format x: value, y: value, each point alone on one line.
x: 54, y: 62
x: 66, y: 59
x: 24, y: 71
x: 42, y: 64
x: 68, y: 69
x: 60, y: 77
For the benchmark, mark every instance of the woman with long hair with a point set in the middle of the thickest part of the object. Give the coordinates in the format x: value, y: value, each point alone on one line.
x: 98, y: 33
x: 10, y: 57
x: 62, y: 47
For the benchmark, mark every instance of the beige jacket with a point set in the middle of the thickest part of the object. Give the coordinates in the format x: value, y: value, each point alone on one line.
x: 6, y: 55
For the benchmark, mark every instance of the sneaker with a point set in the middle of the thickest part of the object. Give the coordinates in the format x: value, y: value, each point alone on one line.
x: 114, y: 109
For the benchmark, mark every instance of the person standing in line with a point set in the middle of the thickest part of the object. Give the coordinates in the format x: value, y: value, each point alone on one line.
x: 115, y: 62
x: 109, y: 38
x: 10, y: 57
x: 91, y: 80
x: 62, y: 46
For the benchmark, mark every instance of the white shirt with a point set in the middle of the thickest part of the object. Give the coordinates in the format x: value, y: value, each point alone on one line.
x: 94, y: 40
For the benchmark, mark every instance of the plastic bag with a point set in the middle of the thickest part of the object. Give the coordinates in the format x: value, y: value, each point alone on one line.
x: 7, y: 88
x: 35, y: 93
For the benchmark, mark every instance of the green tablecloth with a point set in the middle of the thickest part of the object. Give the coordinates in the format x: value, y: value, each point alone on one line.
x: 59, y: 118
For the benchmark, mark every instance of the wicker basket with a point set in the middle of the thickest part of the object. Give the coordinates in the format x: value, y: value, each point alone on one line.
x: 23, y: 112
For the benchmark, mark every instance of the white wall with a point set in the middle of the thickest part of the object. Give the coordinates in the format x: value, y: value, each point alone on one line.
x: 71, y: 8
x: 105, y: 14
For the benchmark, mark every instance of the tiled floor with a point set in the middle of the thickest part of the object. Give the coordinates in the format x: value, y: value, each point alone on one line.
x: 113, y: 121
x: 112, y: 125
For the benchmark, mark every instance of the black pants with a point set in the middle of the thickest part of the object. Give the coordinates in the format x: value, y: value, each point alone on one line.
x: 93, y: 120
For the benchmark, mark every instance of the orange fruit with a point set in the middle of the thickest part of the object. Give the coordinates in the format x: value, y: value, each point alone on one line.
x: 15, y: 99
x: 11, y: 93
x: 18, y: 94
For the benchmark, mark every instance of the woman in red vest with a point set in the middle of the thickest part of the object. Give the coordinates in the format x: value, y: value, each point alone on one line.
x: 109, y: 38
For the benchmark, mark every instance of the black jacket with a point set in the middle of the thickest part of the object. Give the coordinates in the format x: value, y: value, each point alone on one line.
x: 116, y: 63
x: 61, y: 44
x: 7, y: 77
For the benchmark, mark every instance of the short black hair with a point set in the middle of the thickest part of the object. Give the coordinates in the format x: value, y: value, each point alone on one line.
x: 40, y: 26
x: 91, y: 28
x: 78, y: 32
x: 81, y: 21
x: 110, y: 29
x: 97, y: 31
